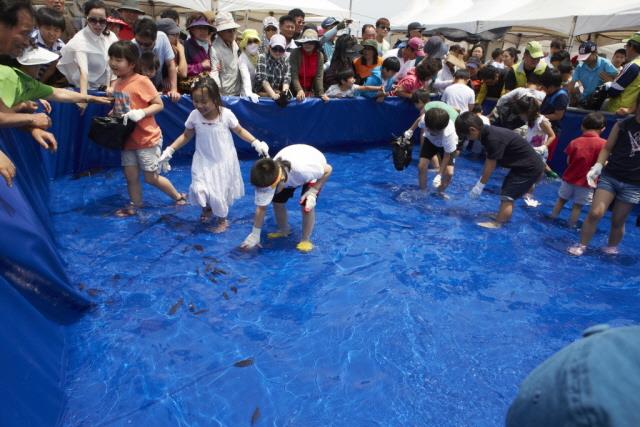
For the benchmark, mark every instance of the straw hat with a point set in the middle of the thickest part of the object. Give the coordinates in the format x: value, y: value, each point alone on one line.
x: 308, y: 36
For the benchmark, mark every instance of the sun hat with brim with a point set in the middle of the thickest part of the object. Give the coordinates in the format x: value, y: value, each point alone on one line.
x: 37, y: 56
x: 131, y: 5
x: 116, y: 21
x: 534, y: 49
x: 264, y: 195
x: 270, y: 21
x: 247, y: 35
x: 224, y: 21
x: 455, y: 61
x: 593, y: 381
x: 200, y: 22
x: 168, y: 26
x: 308, y: 36
x: 635, y: 38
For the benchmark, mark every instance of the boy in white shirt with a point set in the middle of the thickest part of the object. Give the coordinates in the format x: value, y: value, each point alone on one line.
x: 459, y: 95
x: 347, y: 87
x: 275, y: 180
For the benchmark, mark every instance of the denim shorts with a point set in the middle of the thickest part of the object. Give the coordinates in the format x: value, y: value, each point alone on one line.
x: 145, y: 158
x: 625, y: 192
x: 579, y: 195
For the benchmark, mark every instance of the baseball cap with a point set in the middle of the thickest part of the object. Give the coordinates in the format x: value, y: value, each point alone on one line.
x: 270, y: 21
x: 278, y: 40
x: 473, y: 62
x: 535, y: 49
x: 635, y: 38
x: 436, y: 47
x: 328, y: 22
x: 168, y: 26
x: 264, y: 195
x: 586, y: 49
x: 591, y: 382
x: 415, y: 26
x: 417, y: 45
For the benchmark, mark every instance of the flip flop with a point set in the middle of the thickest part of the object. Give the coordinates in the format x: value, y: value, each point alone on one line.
x: 305, y: 246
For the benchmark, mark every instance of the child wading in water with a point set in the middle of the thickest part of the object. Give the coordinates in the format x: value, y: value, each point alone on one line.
x: 216, y: 181
x: 136, y: 99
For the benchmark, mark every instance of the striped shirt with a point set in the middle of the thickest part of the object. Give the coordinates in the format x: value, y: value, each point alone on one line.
x: 55, y: 48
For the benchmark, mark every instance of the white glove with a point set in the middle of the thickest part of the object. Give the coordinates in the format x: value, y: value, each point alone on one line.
x: 477, y: 189
x: 254, y: 97
x: 593, y: 174
x: 252, y: 240
x: 437, y: 180
x: 163, y: 161
x: 542, y: 150
x: 408, y: 134
x: 607, y: 85
x: 309, y: 199
x: 134, y: 116
x: 261, y: 147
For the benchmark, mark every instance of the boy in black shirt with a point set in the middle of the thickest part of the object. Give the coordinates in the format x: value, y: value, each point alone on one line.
x: 507, y: 149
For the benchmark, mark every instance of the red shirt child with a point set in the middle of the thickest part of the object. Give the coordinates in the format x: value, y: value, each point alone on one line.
x: 582, y: 153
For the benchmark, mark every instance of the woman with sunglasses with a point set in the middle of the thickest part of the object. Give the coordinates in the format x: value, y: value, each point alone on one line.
x: 383, y: 26
x: 84, y: 60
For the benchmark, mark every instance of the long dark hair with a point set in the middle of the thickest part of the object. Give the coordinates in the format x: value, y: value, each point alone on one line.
x: 341, y: 60
x: 210, y: 85
x: 528, y: 105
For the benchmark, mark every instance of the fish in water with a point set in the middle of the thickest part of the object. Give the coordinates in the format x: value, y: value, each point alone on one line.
x: 255, y: 416
x: 93, y: 292
x: 233, y: 289
x: 244, y: 363
x: 174, y: 308
x: 198, y: 248
x: 192, y: 307
x: 81, y: 286
x: 204, y: 310
x: 225, y: 295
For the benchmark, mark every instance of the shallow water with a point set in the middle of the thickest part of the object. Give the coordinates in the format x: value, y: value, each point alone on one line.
x: 405, y: 314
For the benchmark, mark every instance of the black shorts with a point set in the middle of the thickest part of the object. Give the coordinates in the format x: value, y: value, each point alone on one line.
x: 429, y: 150
x: 516, y: 185
x: 287, y: 193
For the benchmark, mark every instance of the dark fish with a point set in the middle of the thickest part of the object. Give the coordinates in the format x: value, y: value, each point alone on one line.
x: 234, y: 289
x: 115, y: 277
x: 89, y: 172
x: 255, y: 416
x: 204, y: 310
x: 192, y: 307
x: 244, y: 363
x: 93, y: 292
x: 81, y: 286
x: 225, y: 295
x: 174, y: 308
x: 198, y: 248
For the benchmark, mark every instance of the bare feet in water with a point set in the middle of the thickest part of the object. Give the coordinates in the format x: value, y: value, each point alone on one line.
x: 221, y: 227
x: 128, y: 210
x: 205, y: 216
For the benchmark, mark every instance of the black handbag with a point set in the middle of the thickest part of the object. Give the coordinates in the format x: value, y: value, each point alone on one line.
x: 110, y: 132
x: 595, y: 100
x: 401, y: 151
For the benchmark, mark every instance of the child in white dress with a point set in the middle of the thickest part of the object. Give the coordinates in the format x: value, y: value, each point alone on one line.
x: 216, y: 181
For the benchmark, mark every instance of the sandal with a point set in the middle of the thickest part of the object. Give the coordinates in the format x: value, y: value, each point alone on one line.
x: 577, y: 250
x: 129, y: 210
x: 181, y: 200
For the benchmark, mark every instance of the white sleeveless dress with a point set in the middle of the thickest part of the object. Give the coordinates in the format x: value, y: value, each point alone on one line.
x: 216, y: 180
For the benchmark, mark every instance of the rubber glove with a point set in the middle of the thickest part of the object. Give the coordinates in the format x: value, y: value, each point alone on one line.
x: 254, y: 97
x: 408, y: 134
x: 593, y: 174
x: 476, y: 191
x: 542, y: 150
x: 309, y: 199
x: 252, y: 240
x: 437, y: 180
x: 163, y: 161
x: 261, y: 148
x: 133, y: 115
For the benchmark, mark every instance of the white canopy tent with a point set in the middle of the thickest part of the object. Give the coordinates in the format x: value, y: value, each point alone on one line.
x: 199, y: 5
x: 316, y: 7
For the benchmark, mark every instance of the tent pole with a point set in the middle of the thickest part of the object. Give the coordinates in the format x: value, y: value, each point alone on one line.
x: 572, y: 33
x: 350, y: 7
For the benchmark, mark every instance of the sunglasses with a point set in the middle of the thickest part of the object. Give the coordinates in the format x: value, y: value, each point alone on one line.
x: 99, y: 21
x: 277, y: 49
x: 382, y: 27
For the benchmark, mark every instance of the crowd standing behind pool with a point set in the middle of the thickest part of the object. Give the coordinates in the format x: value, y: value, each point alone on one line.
x: 534, y: 92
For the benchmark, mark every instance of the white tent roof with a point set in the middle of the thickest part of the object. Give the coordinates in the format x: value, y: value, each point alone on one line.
x: 199, y: 5
x: 316, y: 7
x: 557, y: 15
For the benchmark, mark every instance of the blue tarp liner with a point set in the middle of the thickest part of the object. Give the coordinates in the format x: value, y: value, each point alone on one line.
x: 36, y: 296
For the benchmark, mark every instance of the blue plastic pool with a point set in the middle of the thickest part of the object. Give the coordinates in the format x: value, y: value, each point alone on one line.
x: 405, y: 314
